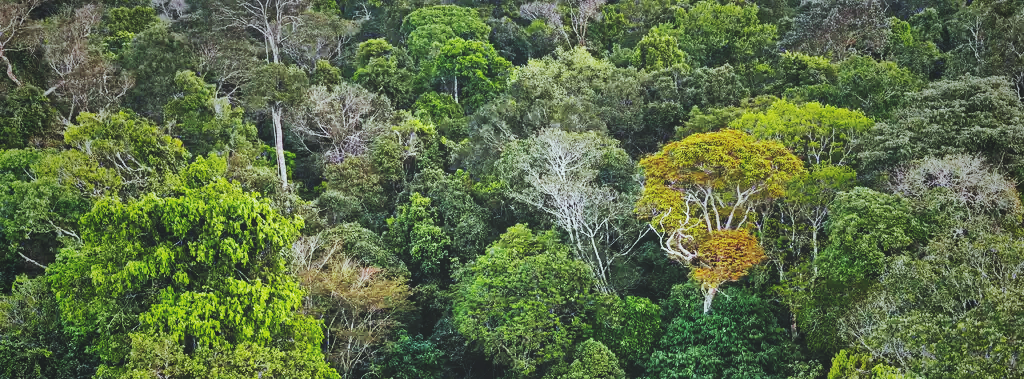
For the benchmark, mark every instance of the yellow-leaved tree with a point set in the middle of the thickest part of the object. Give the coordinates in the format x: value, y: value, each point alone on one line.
x: 700, y: 196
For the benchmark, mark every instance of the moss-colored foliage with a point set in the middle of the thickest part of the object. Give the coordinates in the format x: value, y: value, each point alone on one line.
x: 438, y: 108
x: 387, y: 77
x: 26, y: 117
x: 415, y: 237
x: 458, y: 211
x: 426, y: 40
x: 850, y: 365
x: 920, y: 57
x: 204, y: 122
x: 122, y: 24
x: 325, y: 74
x: 35, y: 345
x: 878, y: 88
x: 657, y: 51
x: 372, y: 48
x: 276, y: 83
x: 967, y: 116
x: 866, y: 226
x: 593, y: 360
x: 523, y: 301
x: 741, y: 338
x: 411, y: 358
x: 354, y: 192
x: 796, y: 69
x: 154, y: 57
x: 630, y: 327
x: 141, y: 154
x: 201, y: 272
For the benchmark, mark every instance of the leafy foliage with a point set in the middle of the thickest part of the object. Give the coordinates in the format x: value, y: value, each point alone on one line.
x: 539, y: 313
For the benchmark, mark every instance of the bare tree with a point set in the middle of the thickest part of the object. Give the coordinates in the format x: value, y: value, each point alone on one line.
x: 83, y: 79
x: 581, y: 12
x: 340, y: 121
x: 548, y: 12
x: 269, y: 18
x: 15, y: 22
x: 964, y: 180
x: 560, y: 171
x: 358, y: 304
x: 321, y: 37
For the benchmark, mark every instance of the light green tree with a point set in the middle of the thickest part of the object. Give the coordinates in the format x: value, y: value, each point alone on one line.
x: 201, y: 274
x: 657, y: 51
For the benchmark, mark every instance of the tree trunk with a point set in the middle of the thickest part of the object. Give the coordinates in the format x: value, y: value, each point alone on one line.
x: 708, y: 298
x: 792, y: 326
x: 279, y: 144
x: 10, y: 69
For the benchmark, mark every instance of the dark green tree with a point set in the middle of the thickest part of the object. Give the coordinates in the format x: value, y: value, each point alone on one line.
x: 524, y: 301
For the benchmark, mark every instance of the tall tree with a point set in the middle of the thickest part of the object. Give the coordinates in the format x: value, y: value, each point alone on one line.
x: 270, y: 19
x: 580, y: 180
x: 708, y: 184
x: 208, y: 276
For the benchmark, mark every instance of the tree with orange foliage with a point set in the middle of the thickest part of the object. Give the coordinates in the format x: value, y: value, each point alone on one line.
x: 700, y: 195
x: 724, y: 256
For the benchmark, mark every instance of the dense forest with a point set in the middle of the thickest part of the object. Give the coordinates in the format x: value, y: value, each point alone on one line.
x: 577, y: 189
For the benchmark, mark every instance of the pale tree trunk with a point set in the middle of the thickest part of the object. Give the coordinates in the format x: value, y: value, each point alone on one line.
x: 708, y: 297
x: 282, y: 170
x: 10, y: 69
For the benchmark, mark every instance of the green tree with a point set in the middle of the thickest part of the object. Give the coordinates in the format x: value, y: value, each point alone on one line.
x: 742, y: 338
x: 426, y: 40
x: 205, y: 122
x: 122, y: 24
x: 865, y: 227
x: 133, y: 146
x: 472, y: 69
x: 26, y: 117
x: 274, y: 86
x: 817, y: 134
x: 967, y: 116
x: 539, y: 313
x: 878, y: 88
x: 657, y: 51
x: 35, y: 344
x: 713, y: 34
x: 415, y: 237
x: 154, y: 57
x: 208, y: 275
x: 630, y: 327
x: 593, y: 360
x: 464, y: 22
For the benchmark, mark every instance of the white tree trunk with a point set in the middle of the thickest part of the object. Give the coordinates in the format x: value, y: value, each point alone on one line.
x: 708, y: 297
x: 279, y: 144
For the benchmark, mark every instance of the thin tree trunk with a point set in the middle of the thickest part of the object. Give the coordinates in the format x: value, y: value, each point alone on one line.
x: 279, y: 144
x: 10, y: 69
x: 708, y: 298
